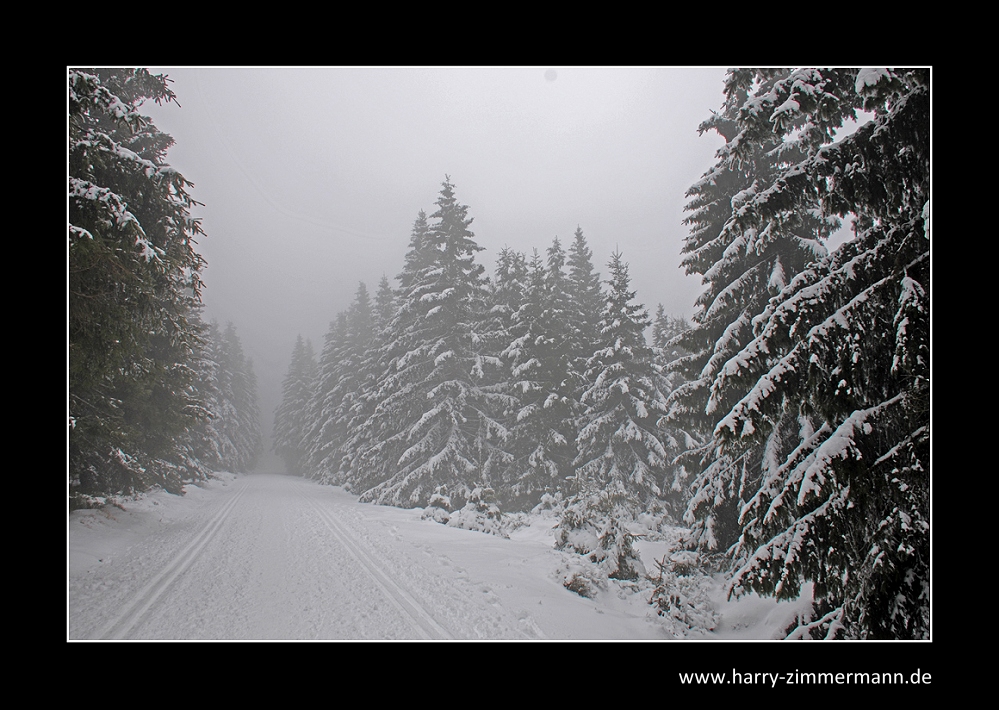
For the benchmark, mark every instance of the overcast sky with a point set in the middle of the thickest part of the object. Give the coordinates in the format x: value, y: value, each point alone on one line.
x: 311, y: 178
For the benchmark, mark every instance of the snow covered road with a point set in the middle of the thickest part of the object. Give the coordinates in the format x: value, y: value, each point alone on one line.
x: 266, y: 556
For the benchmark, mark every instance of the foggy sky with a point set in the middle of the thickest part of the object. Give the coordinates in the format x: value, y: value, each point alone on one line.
x: 311, y: 179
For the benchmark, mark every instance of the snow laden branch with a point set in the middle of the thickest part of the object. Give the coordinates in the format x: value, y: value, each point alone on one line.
x: 101, y: 143
x: 113, y: 214
x: 823, y: 349
x: 86, y: 93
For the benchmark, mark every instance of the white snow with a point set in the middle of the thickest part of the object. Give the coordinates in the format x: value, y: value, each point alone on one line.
x: 265, y: 556
x: 870, y: 77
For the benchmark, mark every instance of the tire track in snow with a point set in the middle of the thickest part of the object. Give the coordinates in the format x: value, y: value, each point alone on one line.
x: 422, y: 621
x: 133, y: 612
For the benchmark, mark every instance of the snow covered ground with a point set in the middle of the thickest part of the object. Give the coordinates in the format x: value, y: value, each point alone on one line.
x: 265, y: 556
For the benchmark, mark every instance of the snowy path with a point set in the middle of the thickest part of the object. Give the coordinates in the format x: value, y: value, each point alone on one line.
x: 266, y: 556
x: 274, y: 557
x: 270, y: 559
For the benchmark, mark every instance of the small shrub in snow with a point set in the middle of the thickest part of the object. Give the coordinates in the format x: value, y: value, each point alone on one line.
x: 439, y: 508
x: 82, y: 501
x: 550, y: 503
x: 598, y: 528
x: 581, y: 577
x: 656, y: 523
x: 579, y: 585
x: 438, y: 515
x: 480, y: 512
x: 681, y: 595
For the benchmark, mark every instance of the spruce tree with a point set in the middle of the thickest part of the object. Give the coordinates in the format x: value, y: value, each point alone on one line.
x: 420, y: 255
x: 667, y: 332
x: 620, y: 444
x: 622, y: 458
x: 667, y: 336
x: 196, y: 448
x: 384, y: 309
x: 134, y: 287
x: 742, y: 269
x: 322, y: 437
x: 507, y: 292
x: 829, y: 395
x: 544, y: 433
x: 339, y: 386
x: 357, y: 432
x: 434, y: 424
x: 586, y: 304
x: 236, y: 417
x: 508, y: 286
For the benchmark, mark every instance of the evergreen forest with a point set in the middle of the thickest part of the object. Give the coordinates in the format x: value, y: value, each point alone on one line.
x: 785, y: 427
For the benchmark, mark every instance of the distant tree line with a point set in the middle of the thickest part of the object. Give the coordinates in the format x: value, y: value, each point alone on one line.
x: 535, y: 382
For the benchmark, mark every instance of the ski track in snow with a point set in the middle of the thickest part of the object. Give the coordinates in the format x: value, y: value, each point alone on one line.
x: 425, y: 626
x: 284, y: 558
x: 147, y: 596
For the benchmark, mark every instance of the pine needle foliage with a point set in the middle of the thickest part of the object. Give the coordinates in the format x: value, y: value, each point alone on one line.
x: 822, y: 402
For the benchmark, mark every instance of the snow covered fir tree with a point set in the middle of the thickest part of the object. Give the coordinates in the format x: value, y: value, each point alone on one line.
x: 815, y: 397
x: 542, y: 443
x: 228, y: 436
x: 619, y: 441
x: 435, y: 422
x: 156, y: 397
x: 622, y: 459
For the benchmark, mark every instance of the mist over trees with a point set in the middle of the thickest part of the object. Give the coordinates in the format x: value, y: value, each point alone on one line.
x: 785, y: 428
x: 787, y: 425
x: 464, y: 382
x: 291, y: 420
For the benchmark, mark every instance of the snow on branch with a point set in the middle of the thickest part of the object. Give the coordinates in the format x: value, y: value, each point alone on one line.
x: 783, y: 481
x: 75, y: 231
x: 781, y: 554
x: 103, y: 143
x: 86, y: 89
x: 724, y: 346
x: 821, y: 337
x: 868, y: 78
x: 840, y: 445
x: 438, y: 295
x: 781, y: 376
x: 116, y: 214
x: 919, y: 433
x: 832, y: 622
x: 912, y: 305
x: 111, y: 203
x: 735, y: 292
